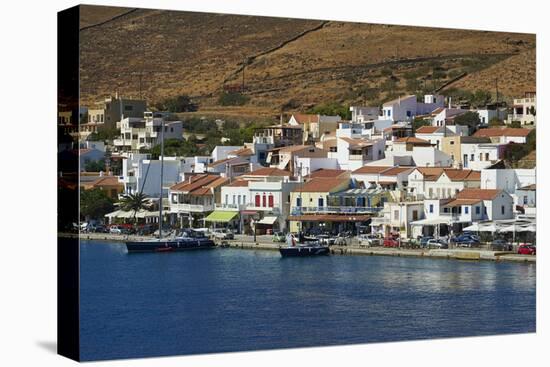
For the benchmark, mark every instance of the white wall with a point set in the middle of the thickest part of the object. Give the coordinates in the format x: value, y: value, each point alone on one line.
x: 220, y: 151
x: 313, y: 164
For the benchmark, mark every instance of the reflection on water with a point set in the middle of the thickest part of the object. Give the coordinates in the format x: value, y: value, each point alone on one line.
x: 228, y: 300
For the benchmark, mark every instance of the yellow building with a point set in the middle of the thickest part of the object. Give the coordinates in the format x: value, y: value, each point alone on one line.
x: 312, y: 207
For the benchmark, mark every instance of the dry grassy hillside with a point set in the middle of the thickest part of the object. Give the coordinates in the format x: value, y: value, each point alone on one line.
x: 513, y: 75
x: 290, y: 63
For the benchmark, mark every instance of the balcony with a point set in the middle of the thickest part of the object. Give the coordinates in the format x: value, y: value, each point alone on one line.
x: 273, y: 210
x: 190, y: 208
x: 357, y: 157
x: 230, y: 207
x: 335, y: 210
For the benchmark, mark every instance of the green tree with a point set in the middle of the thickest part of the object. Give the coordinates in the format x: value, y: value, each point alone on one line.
x: 95, y: 166
x: 516, y: 124
x: 181, y: 103
x: 95, y: 203
x: 104, y: 135
x: 332, y: 109
x: 419, y: 122
x: 134, y: 202
x: 495, y: 121
x: 470, y: 119
x: 232, y: 99
x: 480, y: 98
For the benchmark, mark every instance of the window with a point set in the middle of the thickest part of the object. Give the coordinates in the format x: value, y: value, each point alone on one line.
x: 128, y: 108
x: 333, y: 149
x: 271, y: 201
x: 480, y: 157
x: 239, y: 199
x: 257, y: 200
x: 409, y: 114
x: 502, y: 210
x: 233, y: 199
x: 452, y: 142
x: 525, y: 200
x: 226, y: 199
x: 389, y: 112
x: 486, y: 156
x: 430, y: 192
x: 478, y: 210
x: 321, y: 203
x: 438, y: 190
x: 415, y: 215
x: 466, y: 210
x: 264, y: 203
x: 472, y: 157
x: 396, y: 215
x: 298, y: 202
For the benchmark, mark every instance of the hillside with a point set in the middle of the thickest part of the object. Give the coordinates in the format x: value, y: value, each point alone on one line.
x: 291, y: 64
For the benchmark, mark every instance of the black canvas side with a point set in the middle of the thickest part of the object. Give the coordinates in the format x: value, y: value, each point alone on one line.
x: 68, y: 288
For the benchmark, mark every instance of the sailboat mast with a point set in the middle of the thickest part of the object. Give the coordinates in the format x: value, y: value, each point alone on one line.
x: 161, y: 174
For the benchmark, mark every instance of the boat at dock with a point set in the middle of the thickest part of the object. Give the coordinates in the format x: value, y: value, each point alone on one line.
x: 305, y: 247
x: 186, y: 240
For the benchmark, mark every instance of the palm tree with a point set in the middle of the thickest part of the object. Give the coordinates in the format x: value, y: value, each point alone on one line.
x: 135, y: 202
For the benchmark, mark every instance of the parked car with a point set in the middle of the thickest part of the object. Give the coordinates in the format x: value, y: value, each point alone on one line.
x: 115, y: 230
x: 223, y: 234
x: 500, y: 245
x: 424, y: 240
x: 99, y: 228
x: 279, y: 237
x: 527, y: 249
x: 325, y: 239
x: 437, y: 243
x: 369, y: 240
x: 466, y: 240
x: 391, y: 242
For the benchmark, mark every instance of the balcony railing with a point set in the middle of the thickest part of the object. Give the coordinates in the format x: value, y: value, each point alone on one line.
x: 190, y: 208
x: 274, y: 210
x: 335, y: 209
x: 231, y: 207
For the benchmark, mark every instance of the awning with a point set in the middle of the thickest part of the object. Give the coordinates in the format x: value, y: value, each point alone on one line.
x: 330, y: 218
x: 221, y: 216
x: 268, y: 220
x: 430, y: 222
x: 130, y: 214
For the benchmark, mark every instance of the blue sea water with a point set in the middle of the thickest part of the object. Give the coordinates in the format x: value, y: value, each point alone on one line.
x: 140, y: 305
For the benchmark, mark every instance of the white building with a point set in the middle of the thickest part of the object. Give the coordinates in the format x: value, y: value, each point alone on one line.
x: 487, y: 114
x: 505, y: 135
x: 423, y: 154
x: 524, y: 110
x: 434, y: 134
x: 444, y: 115
x: 474, y: 205
x: 406, y: 108
x: 440, y: 183
x: 140, y: 174
x: 137, y: 133
x: 478, y: 156
x: 223, y: 152
x: 387, y: 177
x: 507, y: 179
x: 364, y: 114
x: 355, y: 153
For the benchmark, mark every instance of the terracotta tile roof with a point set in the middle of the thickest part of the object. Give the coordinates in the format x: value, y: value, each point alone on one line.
x: 462, y: 174
x: 357, y: 142
x: 268, y: 171
x: 221, y: 161
x: 295, y: 148
x: 396, y: 126
x: 412, y: 140
x: 107, y: 181
x: 427, y: 129
x: 532, y: 187
x: 242, y: 152
x: 238, y: 183
x: 199, y: 185
x: 327, y: 173
x: 371, y: 169
x: 322, y: 184
x: 437, y: 111
x: 480, y: 194
x: 454, y: 174
x: 506, y: 131
x: 459, y: 202
x: 303, y: 118
x: 394, y: 171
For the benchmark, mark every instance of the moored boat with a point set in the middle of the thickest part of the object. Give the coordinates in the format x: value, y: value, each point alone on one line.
x: 303, y: 249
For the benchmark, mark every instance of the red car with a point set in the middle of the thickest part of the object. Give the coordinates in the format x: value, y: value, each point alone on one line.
x: 527, y: 250
x: 391, y: 242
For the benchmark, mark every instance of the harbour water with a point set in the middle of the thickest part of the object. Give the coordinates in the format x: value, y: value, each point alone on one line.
x: 224, y: 300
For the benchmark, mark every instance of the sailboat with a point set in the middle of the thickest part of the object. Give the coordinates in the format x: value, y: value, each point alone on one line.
x: 186, y: 240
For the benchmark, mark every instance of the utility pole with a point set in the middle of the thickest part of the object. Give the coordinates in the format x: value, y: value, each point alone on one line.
x: 244, y: 65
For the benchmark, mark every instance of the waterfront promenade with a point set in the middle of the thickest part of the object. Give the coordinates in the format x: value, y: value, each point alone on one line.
x: 266, y: 243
